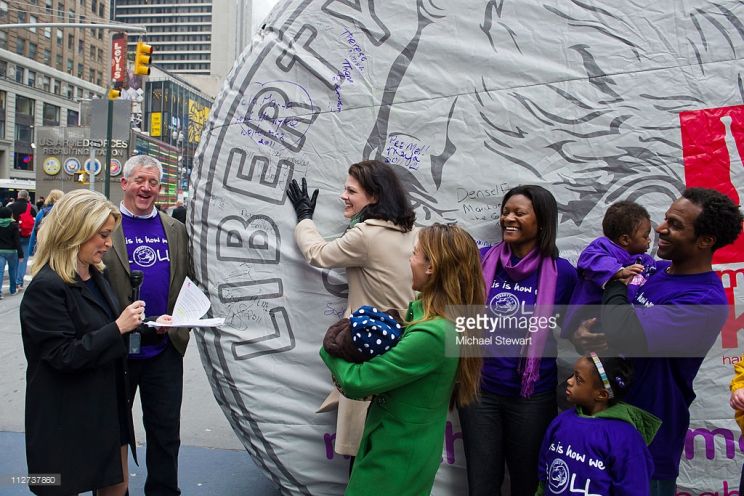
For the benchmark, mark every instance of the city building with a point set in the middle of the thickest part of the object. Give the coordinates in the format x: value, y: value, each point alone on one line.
x: 193, y: 39
x: 33, y: 94
x: 175, y: 113
x: 82, y: 53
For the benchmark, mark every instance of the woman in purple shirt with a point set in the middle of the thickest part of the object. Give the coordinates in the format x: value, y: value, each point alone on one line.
x: 526, y: 282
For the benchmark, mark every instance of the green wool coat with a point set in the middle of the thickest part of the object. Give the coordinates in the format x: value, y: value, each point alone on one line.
x: 401, y: 447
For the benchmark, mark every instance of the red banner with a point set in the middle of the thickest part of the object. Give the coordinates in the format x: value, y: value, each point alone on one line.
x: 118, y: 58
x: 713, y: 147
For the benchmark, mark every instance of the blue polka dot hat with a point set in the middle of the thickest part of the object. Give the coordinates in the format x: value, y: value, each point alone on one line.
x: 373, y: 332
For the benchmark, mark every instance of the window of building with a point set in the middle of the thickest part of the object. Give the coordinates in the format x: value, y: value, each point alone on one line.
x: 47, y: 56
x: 48, y: 32
x: 99, y: 56
x: 82, y: 3
x: 81, y: 46
x: 91, y: 75
x: 3, y: 8
x: 31, y: 81
x: 50, y: 116
x: 70, y: 41
x: 60, y: 38
x: 49, y: 6
x: 3, y: 39
x: 80, y: 71
x: 70, y: 15
x: 94, y: 5
x: 20, y: 46
x: 92, y: 52
x: 101, y: 10
x: 24, y: 106
x: 33, y: 20
x: 20, y: 73
x: 45, y: 83
x: 80, y: 92
x: 69, y: 66
x: 32, y: 48
x: 21, y: 17
x: 3, y: 106
x: 68, y: 89
x: 73, y: 117
x: 23, y: 161
x: 3, y: 68
x: 56, y: 86
x: 58, y: 61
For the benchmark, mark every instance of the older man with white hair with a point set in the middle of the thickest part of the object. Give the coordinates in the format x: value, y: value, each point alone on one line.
x: 156, y: 244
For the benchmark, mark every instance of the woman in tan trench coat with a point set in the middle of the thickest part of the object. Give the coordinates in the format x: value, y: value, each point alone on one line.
x: 374, y: 250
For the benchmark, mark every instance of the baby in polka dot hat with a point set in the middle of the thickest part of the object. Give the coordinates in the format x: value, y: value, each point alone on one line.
x: 373, y: 332
x: 368, y: 333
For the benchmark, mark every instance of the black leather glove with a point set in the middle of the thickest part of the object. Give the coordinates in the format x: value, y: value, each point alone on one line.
x: 304, y: 205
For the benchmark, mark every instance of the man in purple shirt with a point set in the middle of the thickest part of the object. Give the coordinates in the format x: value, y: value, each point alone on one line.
x: 155, y: 244
x: 672, y: 321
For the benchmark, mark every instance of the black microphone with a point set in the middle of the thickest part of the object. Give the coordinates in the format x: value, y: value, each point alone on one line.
x: 135, y: 280
x: 135, y: 337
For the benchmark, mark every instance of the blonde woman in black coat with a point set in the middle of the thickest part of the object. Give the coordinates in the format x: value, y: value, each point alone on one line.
x: 78, y: 422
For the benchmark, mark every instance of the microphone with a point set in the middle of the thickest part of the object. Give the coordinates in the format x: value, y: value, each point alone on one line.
x: 135, y: 280
x: 135, y: 337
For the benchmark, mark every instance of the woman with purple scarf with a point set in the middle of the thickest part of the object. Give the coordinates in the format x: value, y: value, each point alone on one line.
x: 526, y: 283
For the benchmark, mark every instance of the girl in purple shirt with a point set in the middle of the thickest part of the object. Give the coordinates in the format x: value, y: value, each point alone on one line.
x: 600, y: 447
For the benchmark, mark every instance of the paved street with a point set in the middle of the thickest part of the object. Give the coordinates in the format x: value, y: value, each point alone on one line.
x: 212, y: 459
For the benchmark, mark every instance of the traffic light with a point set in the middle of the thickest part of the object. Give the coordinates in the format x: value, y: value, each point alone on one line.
x: 142, y: 59
x: 114, y: 93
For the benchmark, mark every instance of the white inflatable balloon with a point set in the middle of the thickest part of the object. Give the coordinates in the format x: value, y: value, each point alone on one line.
x: 465, y: 99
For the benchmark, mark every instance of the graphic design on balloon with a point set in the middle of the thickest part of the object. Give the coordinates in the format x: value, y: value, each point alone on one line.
x: 464, y: 100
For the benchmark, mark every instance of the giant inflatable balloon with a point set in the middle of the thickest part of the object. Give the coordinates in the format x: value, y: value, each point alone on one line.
x: 596, y: 100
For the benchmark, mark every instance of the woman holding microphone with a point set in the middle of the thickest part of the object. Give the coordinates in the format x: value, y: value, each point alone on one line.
x: 78, y: 421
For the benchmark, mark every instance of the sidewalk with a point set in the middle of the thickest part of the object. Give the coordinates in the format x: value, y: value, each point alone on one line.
x: 201, y: 471
x: 212, y: 460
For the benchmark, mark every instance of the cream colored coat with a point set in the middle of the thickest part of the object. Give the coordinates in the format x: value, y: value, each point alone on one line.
x: 375, y: 254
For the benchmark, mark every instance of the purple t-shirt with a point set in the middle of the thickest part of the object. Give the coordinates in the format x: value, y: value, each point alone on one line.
x: 594, y: 456
x: 147, y: 249
x: 599, y: 261
x: 675, y: 311
x: 501, y: 374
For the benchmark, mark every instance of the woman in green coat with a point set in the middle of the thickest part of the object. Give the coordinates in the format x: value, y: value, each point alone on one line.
x: 415, y: 382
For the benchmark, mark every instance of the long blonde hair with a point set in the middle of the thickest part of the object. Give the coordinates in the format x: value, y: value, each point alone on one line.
x: 456, y: 280
x: 75, y: 218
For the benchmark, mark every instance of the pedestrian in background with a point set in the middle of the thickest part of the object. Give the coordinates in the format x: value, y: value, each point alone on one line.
x: 179, y: 212
x: 53, y: 196
x: 10, y: 248
x: 23, y: 213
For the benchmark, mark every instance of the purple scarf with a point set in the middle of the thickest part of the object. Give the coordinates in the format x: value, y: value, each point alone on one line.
x: 500, y: 255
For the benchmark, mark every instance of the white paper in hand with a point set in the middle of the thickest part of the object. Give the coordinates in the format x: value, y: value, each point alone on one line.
x: 191, y: 305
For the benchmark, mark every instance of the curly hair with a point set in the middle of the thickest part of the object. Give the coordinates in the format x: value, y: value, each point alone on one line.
x: 720, y: 217
x: 381, y: 181
x: 623, y: 217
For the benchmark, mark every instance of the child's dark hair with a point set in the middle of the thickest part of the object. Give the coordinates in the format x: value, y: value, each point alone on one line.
x: 5, y: 212
x: 620, y: 374
x: 623, y: 217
